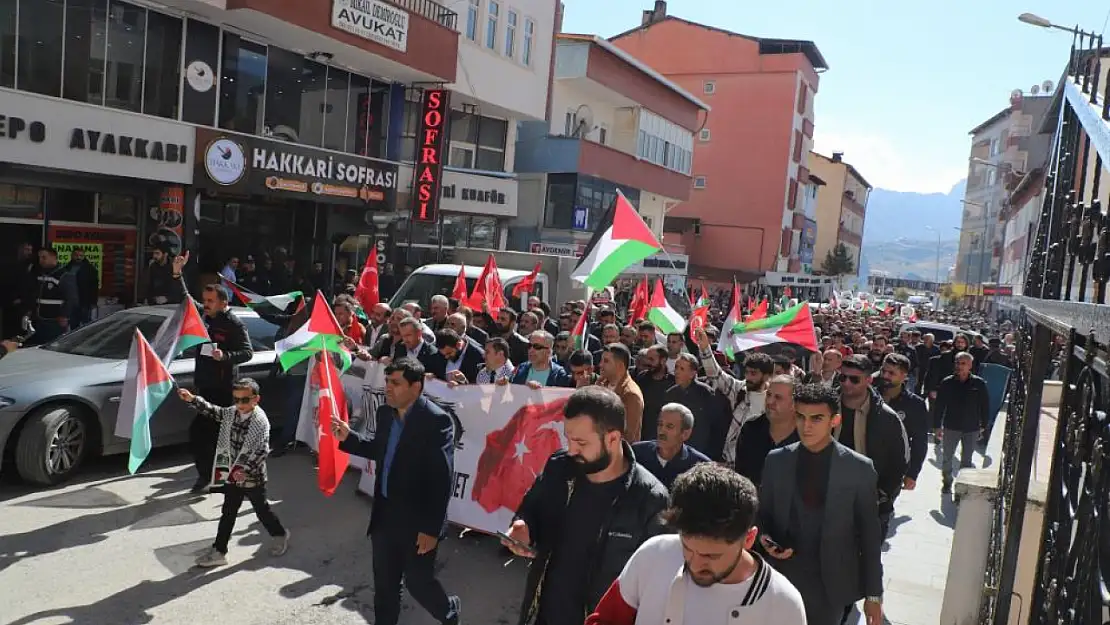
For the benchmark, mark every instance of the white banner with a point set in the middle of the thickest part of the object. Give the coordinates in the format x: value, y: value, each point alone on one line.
x: 505, y: 435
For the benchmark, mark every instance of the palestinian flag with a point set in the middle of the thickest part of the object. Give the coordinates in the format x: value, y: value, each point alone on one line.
x: 724, y: 344
x: 660, y: 312
x: 263, y: 303
x: 184, y: 329
x: 793, y: 325
x: 320, y: 334
x: 703, y: 299
x: 579, y: 333
x: 146, y: 385
x: 332, y: 405
x: 622, y: 239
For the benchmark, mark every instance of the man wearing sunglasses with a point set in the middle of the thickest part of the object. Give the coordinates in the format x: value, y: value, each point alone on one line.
x: 872, y: 428
x: 541, y: 369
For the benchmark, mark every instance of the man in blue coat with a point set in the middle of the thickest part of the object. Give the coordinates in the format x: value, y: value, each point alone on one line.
x: 541, y: 369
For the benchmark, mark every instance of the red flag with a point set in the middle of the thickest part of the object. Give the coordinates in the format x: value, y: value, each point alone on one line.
x: 637, y: 308
x: 459, y: 292
x: 699, y: 319
x: 704, y: 297
x: 367, y: 290
x: 515, y: 454
x: 760, y: 312
x: 735, y: 296
x: 333, y: 404
x: 488, y: 290
x: 528, y: 284
x: 788, y: 292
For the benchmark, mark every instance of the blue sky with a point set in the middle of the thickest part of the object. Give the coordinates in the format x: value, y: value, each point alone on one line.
x: 906, y: 80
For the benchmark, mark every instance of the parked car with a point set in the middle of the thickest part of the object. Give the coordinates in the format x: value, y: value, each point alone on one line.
x: 58, y: 402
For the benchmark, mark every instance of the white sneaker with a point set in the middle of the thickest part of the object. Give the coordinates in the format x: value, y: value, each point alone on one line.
x: 279, y: 544
x: 211, y: 558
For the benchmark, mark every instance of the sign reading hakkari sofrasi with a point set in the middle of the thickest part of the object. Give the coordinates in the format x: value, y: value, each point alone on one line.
x: 372, y: 20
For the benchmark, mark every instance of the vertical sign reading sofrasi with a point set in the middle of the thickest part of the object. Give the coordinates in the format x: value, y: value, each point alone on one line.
x: 428, y: 174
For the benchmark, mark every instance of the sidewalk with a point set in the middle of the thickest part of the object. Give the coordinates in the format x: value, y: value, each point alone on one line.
x: 915, y: 557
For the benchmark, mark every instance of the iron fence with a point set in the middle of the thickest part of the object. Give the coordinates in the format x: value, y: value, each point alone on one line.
x: 431, y: 10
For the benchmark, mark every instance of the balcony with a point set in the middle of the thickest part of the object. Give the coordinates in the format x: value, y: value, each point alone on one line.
x: 852, y: 205
x: 848, y: 237
x: 424, y: 51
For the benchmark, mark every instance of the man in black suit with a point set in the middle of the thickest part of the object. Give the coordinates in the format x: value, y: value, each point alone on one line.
x: 414, y: 447
x: 412, y: 344
x: 457, y: 357
x: 819, y: 517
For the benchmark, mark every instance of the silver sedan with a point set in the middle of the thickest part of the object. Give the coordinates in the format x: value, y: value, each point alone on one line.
x: 58, y: 402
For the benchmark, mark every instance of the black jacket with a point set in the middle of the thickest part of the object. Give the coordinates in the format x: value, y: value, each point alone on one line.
x: 909, y: 352
x: 962, y: 406
x: 160, y: 283
x: 940, y: 366
x: 654, y: 392
x: 518, y: 348
x: 88, y: 286
x: 633, y: 518
x: 472, y: 360
x: 888, y: 448
x: 479, y: 335
x: 915, y: 418
x: 213, y: 378
x: 428, y: 355
x: 709, y: 420
x: 924, y: 358
x: 422, y: 472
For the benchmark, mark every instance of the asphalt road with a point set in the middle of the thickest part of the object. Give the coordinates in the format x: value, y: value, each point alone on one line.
x: 115, y: 549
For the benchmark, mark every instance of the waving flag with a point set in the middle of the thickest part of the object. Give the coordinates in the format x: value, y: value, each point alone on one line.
x: 459, y: 292
x: 703, y: 299
x: 760, y: 312
x: 182, y: 330
x: 660, y: 312
x: 367, y: 292
x: 488, y: 289
x: 637, y: 308
x: 528, y: 284
x: 735, y: 312
x: 320, y: 334
x: 580, y: 332
x: 516, y: 453
x: 145, y: 386
x: 265, y: 303
x: 332, y: 405
x: 699, y: 319
x: 621, y: 240
x: 793, y: 325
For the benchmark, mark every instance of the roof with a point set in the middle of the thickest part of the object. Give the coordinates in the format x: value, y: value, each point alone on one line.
x: 635, y: 62
x: 817, y: 180
x: 852, y: 170
x: 766, y: 46
x: 997, y: 117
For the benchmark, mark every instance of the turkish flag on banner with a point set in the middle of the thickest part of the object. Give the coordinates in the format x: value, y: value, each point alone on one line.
x: 367, y: 292
x: 459, y: 292
x: 332, y: 405
x: 516, y: 453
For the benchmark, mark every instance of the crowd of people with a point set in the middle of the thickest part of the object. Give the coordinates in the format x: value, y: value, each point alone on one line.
x: 693, y: 488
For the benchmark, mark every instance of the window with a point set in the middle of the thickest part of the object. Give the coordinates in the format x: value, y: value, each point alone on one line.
x: 699, y: 182
x: 472, y: 20
x: 335, y: 109
x: 117, y: 209
x: 568, y: 193
x: 366, y: 118
x: 85, y: 27
x: 123, y: 71
x: 996, y: 146
x: 461, y: 156
x: 242, y: 85
x: 529, y: 39
x: 71, y: 205
x: 163, y: 65
x: 491, y: 25
x: 992, y: 176
x: 571, y: 123
x: 295, y: 89
x: 20, y: 202
x: 8, y: 16
x: 709, y: 87
x: 803, y: 96
x: 797, y: 146
x: 40, y: 47
x: 510, y: 34
x: 603, y: 135
x: 664, y: 143
x: 492, y: 136
x: 410, y: 125
x: 703, y: 135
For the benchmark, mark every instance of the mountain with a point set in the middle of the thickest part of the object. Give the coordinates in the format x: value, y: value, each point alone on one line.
x: 895, y: 214
x: 913, y: 258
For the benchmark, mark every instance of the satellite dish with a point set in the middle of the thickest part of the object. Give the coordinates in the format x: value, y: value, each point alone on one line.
x: 1035, y: 89
x: 585, y: 117
x: 1047, y: 86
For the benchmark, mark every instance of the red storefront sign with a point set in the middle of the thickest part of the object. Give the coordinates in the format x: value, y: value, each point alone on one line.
x: 435, y: 109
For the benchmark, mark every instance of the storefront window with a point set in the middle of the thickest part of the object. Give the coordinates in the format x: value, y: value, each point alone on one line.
x: 40, y: 46
x: 491, y: 144
x: 335, y: 109
x: 85, y: 28
x: 284, y: 71
x: 455, y: 230
x: 70, y: 205
x: 559, y: 211
x: 313, y: 85
x: 20, y: 202
x: 242, y: 85
x: 163, y: 65
x: 123, y: 84
x: 8, y: 16
x: 566, y: 192
x: 483, y: 232
x: 122, y: 210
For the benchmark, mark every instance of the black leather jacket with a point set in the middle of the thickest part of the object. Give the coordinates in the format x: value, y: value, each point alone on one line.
x: 633, y: 518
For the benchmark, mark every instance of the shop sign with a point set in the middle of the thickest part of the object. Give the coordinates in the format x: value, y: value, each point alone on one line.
x: 431, y: 142
x: 557, y: 249
x: 772, y: 278
x: 247, y: 165
x: 660, y: 265
x: 46, y: 132
x: 478, y: 194
x: 372, y: 20
x: 1003, y: 290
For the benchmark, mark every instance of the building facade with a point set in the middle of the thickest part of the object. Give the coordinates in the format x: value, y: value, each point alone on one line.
x: 841, y: 207
x: 744, y: 216
x: 614, y: 124
x: 985, y: 194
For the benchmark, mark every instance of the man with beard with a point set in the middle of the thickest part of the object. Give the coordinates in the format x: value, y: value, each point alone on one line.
x: 654, y: 381
x: 829, y: 375
x: 746, y: 398
x: 706, y: 572
x: 614, y: 376
x: 700, y: 399
x: 610, y: 333
x: 668, y: 456
x: 926, y: 349
x: 773, y: 429
x: 892, y: 384
x: 590, y: 508
x: 676, y: 344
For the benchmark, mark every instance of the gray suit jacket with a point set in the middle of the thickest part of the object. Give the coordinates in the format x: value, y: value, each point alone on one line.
x: 851, y: 564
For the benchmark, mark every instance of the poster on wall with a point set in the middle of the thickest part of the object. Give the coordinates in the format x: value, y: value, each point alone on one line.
x: 111, y: 250
x: 166, y: 220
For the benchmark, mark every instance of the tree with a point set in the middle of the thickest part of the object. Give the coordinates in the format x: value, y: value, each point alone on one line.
x: 838, y: 262
x: 901, y: 294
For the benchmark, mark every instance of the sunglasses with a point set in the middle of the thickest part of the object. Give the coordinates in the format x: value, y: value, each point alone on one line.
x: 854, y: 379
x: 243, y: 401
x: 538, y: 348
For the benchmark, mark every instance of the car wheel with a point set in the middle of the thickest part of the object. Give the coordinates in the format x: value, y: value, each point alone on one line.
x: 53, y: 444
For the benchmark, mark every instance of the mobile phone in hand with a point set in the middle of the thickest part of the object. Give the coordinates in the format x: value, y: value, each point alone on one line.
x: 529, y: 549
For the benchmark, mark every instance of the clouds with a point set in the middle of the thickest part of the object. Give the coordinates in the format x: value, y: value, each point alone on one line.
x: 888, y: 165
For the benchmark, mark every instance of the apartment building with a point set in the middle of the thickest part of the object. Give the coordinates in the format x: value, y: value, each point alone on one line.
x: 841, y: 206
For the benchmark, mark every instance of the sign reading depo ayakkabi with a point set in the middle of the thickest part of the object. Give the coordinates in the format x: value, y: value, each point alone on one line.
x: 372, y: 20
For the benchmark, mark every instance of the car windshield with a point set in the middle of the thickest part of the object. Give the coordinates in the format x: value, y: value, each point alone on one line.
x: 420, y: 287
x: 108, y: 338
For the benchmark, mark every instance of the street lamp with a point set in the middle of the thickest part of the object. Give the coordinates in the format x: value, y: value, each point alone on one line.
x: 1036, y: 20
